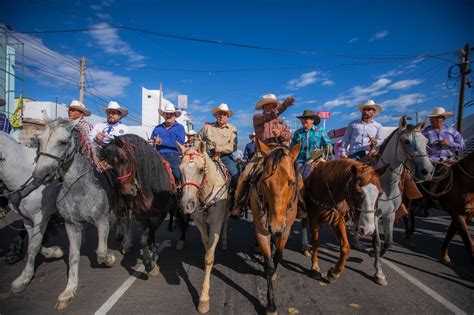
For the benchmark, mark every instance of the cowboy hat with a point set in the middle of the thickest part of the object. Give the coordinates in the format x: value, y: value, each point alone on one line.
x: 440, y: 111
x: 371, y: 104
x: 252, y: 135
x: 267, y: 99
x: 222, y: 108
x: 311, y: 114
x: 191, y: 133
x: 75, y: 104
x: 170, y: 109
x: 115, y: 106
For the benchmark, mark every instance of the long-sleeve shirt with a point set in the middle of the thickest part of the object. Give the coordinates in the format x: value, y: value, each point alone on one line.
x: 357, y: 135
x: 312, y: 139
x: 110, y: 130
x: 221, y: 139
x: 435, y: 150
x: 169, y: 137
x: 249, y: 151
x: 5, y: 125
x: 267, y: 124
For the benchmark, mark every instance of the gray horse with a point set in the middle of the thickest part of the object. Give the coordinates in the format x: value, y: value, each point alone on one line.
x: 84, y: 196
x: 16, y: 167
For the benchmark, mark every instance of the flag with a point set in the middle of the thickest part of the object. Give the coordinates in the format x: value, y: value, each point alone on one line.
x: 15, y: 119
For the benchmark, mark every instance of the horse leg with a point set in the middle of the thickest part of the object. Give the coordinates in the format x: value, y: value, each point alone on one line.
x: 201, y: 225
x: 224, y: 232
x: 466, y: 238
x: 356, y: 244
x: 315, y: 271
x: 265, y: 246
x: 153, y: 225
x: 339, y: 229
x: 103, y: 256
x: 183, y: 226
x: 36, y: 231
x: 388, y: 233
x: 126, y: 244
x: 75, y: 238
x: 453, y: 227
x: 306, y: 248
x: 214, y: 232
x: 379, y: 277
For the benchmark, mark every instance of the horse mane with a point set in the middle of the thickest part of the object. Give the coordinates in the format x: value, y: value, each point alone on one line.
x: 386, y: 141
x: 274, y: 157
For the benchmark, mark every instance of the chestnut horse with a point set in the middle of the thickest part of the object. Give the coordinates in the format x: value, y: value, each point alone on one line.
x: 273, y: 200
x: 332, y: 189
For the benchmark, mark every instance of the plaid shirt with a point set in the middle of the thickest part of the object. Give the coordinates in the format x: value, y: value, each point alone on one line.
x: 5, y: 124
x: 314, y: 138
x: 438, y: 152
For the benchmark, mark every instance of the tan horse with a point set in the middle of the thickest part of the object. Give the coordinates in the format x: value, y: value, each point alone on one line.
x: 273, y: 200
x: 205, y: 195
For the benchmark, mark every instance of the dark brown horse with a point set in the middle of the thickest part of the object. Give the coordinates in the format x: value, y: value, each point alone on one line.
x: 273, y: 200
x: 332, y: 189
x: 454, y: 193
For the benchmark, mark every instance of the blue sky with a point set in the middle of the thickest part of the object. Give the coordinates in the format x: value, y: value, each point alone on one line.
x: 339, y: 53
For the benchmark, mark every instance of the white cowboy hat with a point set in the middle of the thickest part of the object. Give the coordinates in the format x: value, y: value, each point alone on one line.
x: 115, y: 106
x: 371, y: 104
x: 170, y: 109
x: 440, y: 111
x: 267, y: 99
x: 75, y: 104
x: 222, y: 108
x: 191, y: 133
x: 252, y: 135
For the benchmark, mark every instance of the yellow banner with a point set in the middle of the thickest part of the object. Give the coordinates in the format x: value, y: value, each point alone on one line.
x: 15, y: 119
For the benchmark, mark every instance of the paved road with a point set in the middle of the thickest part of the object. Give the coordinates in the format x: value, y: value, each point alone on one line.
x: 418, y: 282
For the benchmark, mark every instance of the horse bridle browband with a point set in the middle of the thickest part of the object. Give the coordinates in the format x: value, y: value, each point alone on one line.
x: 66, y: 158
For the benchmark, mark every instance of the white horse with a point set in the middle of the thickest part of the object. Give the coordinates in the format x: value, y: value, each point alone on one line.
x: 205, y: 196
x: 404, y: 148
x: 16, y: 167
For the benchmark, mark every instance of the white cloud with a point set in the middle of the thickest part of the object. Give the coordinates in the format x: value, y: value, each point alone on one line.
x: 404, y: 84
x: 403, y: 101
x: 360, y: 92
x: 353, y: 40
x: 303, y: 80
x: 387, y: 118
x: 335, y: 103
x: 379, y: 35
x: 328, y: 83
x: 112, y: 44
x: 352, y: 116
x: 310, y: 102
x: 171, y: 94
x: 391, y: 73
x: 242, y: 119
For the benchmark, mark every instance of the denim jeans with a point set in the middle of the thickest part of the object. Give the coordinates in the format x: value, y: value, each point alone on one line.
x: 173, y: 159
x: 357, y: 155
x: 232, y: 167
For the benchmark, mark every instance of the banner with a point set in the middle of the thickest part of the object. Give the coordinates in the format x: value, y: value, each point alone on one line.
x: 182, y: 101
x: 15, y: 118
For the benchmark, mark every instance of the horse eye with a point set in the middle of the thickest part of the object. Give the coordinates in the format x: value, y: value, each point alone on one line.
x: 291, y: 184
x: 201, y: 171
x: 406, y: 141
x: 64, y: 142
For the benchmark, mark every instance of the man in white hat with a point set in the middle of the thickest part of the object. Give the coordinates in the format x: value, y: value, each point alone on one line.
x: 5, y: 125
x: 165, y: 136
x: 104, y: 132
x: 443, y: 140
x: 78, y: 110
x: 191, y: 135
x: 220, y: 138
x: 363, y: 134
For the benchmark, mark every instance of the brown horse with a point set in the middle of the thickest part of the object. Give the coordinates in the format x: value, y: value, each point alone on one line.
x: 273, y: 200
x: 454, y: 194
x: 331, y: 190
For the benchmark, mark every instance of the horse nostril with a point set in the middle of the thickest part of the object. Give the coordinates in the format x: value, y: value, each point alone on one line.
x: 361, y: 231
x: 424, y: 171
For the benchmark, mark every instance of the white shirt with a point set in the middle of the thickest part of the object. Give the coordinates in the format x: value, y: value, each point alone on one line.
x: 357, y: 135
x: 117, y: 129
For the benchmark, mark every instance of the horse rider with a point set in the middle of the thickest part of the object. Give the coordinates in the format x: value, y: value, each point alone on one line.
x: 220, y: 139
x: 249, y: 150
x: 269, y: 129
x: 165, y: 136
x: 104, y: 132
x: 365, y: 133
x: 77, y: 111
x: 311, y: 136
x: 443, y: 140
x: 5, y: 125
x: 191, y: 135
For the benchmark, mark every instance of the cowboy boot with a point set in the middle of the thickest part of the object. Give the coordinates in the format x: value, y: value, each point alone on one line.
x: 240, y: 199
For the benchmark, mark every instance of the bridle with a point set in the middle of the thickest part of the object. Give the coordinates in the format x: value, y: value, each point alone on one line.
x: 191, y: 160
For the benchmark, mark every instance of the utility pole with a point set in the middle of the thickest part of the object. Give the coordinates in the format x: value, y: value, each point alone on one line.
x: 464, y: 66
x: 82, y: 80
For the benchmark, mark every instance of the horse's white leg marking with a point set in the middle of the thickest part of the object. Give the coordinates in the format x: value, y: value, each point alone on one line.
x: 103, y: 256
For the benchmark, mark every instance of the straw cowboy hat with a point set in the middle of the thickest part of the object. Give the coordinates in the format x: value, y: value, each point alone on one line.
x: 115, y: 106
x: 371, y: 104
x: 191, y: 133
x: 440, y: 111
x: 311, y: 114
x: 75, y: 104
x: 267, y: 99
x: 252, y: 135
x: 222, y: 108
x: 170, y: 109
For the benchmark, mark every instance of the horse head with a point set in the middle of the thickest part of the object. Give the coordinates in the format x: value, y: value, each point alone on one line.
x: 278, y: 185
x: 194, y: 170
x: 56, y: 147
x: 413, y: 154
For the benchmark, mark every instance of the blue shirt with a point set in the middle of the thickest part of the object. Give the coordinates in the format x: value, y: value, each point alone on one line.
x: 314, y: 138
x: 249, y: 151
x: 169, y: 137
x: 5, y: 125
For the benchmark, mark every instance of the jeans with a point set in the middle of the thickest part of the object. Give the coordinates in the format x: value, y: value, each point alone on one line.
x: 357, y: 155
x: 232, y: 167
x: 173, y: 159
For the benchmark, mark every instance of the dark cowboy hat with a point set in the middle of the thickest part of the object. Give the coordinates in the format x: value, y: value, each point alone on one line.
x: 309, y: 113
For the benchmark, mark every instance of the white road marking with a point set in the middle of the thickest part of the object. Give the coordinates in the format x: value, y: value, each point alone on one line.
x: 113, y: 299
x: 450, y: 306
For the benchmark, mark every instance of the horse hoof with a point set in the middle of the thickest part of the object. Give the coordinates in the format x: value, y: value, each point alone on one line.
x: 307, y: 252
x: 446, y: 261
x: 272, y: 313
x: 155, y: 271
x: 203, y: 306
x: 274, y: 276
x: 180, y: 245
x: 332, y: 277
x: 371, y: 252
x: 110, y: 260
x: 316, y: 274
x: 18, y: 286
x: 60, y: 305
x: 126, y: 250
x: 381, y: 280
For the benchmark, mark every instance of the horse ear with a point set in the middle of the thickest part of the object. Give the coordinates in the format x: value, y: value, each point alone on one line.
x: 263, y: 148
x: 295, y: 150
x: 381, y: 171
x: 403, y: 122
x: 354, y: 170
x: 46, y: 118
x: 201, y: 147
x: 421, y: 125
x: 181, y: 148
